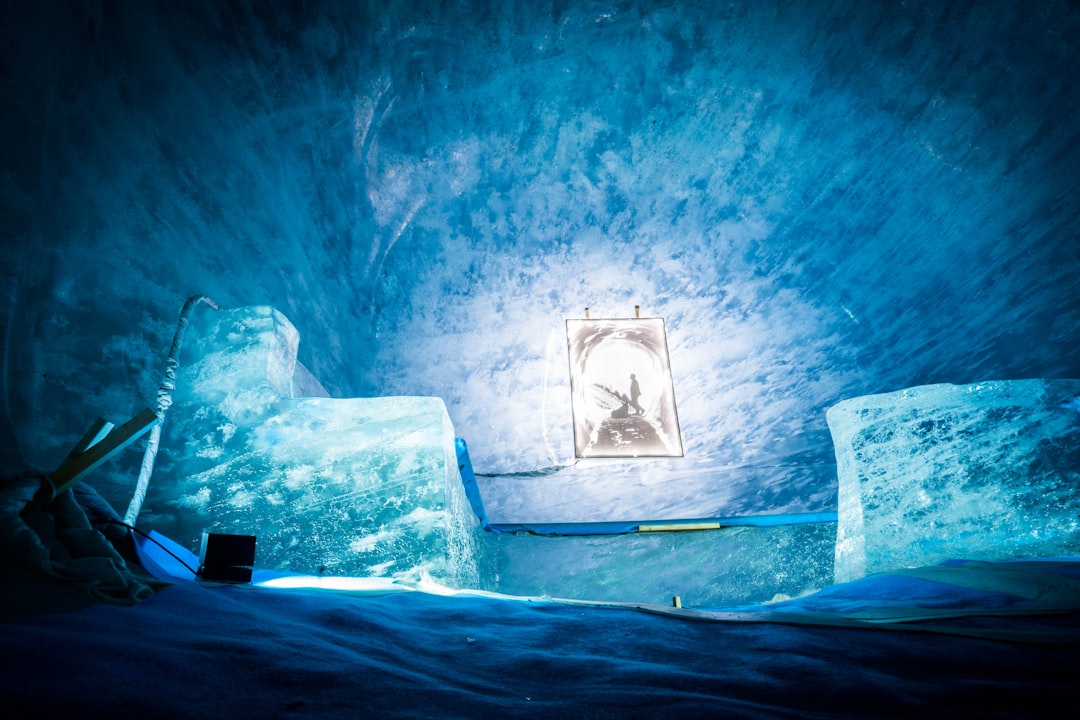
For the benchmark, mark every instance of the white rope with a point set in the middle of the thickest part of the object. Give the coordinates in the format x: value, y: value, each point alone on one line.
x: 164, y: 400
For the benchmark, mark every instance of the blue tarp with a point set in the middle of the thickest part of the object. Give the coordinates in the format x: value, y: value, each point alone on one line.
x: 468, y: 479
x: 621, y: 527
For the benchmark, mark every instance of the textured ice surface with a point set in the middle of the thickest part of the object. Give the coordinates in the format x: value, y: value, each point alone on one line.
x: 704, y: 568
x: 822, y: 199
x: 241, y: 358
x: 986, y: 471
x: 362, y: 486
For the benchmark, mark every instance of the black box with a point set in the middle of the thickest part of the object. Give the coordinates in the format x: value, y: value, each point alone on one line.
x: 226, y: 558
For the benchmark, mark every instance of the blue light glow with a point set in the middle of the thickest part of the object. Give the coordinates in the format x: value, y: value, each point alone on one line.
x: 826, y: 201
x: 819, y: 209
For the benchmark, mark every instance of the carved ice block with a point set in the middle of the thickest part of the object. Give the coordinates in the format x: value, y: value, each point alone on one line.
x: 355, y: 486
x: 988, y: 471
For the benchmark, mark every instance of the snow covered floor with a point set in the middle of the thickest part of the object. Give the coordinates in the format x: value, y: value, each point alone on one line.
x: 202, y: 651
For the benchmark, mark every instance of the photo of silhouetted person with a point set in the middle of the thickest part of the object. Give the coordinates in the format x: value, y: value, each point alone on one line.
x: 612, y: 416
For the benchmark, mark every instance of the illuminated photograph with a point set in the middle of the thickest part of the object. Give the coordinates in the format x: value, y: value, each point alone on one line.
x: 623, y: 398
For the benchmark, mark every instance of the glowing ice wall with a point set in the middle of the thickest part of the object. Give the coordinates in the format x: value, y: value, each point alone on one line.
x: 823, y: 199
x: 989, y: 471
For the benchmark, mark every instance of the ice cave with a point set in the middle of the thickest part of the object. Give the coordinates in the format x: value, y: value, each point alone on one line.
x: 579, y: 358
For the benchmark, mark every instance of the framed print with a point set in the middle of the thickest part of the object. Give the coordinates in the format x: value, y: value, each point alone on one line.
x: 623, y: 398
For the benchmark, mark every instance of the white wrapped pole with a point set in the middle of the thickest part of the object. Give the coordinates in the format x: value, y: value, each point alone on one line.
x: 164, y: 400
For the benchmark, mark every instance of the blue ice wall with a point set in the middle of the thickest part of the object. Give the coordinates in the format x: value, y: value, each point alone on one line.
x: 823, y: 200
x: 704, y: 568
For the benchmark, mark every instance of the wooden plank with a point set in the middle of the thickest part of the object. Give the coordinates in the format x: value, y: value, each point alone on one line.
x: 93, y: 436
x: 77, y: 467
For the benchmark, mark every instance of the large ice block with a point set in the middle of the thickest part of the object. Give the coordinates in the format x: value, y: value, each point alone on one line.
x: 988, y: 471
x: 706, y: 568
x: 360, y: 486
x: 237, y: 357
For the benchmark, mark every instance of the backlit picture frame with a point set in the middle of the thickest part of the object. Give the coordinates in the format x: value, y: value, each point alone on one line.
x: 623, y: 396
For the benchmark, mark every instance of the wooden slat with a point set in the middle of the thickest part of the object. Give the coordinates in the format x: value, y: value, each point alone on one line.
x: 93, y: 436
x: 679, y: 527
x: 75, y: 468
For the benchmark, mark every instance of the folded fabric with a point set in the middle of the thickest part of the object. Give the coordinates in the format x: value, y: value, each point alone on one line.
x: 58, y: 541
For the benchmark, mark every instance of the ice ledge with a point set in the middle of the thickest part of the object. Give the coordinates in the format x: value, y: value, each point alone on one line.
x: 988, y: 471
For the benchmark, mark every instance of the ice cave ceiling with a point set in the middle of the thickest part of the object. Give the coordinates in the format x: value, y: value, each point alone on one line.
x: 823, y: 199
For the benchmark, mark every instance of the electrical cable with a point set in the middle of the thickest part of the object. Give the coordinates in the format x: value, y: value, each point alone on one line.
x: 192, y: 570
